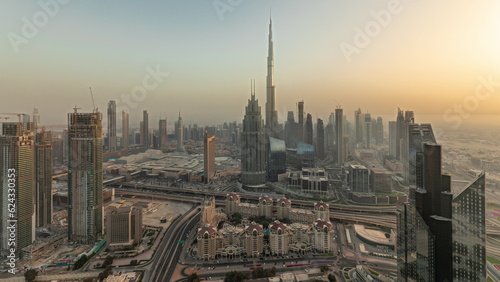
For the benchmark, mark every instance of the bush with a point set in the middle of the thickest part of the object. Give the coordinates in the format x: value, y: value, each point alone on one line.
x: 133, y: 262
x: 80, y: 262
x: 30, y: 275
x: 103, y: 275
x: 108, y: 261
x: 260, y: 272
x: 193, y: 278
x: 235, y: 276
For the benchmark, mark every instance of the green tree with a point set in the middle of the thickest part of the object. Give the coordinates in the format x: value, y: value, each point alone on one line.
x: 80, y: 262
x: 30, y: 275
x: 235, y: 276
x: 324, y: 268
x: 193, y: 277
x: 105, y: 273
x: 236, y: 218
x: 332, y: 278
x: 107, y: 261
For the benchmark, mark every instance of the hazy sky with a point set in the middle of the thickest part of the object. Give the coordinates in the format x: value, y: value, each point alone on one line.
x: 427, y: 57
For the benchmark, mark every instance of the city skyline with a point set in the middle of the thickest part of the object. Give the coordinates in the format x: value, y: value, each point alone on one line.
x: 309, y: 62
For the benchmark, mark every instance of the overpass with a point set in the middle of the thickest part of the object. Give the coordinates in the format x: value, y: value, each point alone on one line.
x: 388, y: 210
x: 387, y: 221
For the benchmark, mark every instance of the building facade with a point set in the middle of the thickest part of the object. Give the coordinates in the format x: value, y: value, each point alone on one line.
x: 359, y: 179
x: 320, y: 140
x: 43, y: 178
x: 180, y: 134
x: 85, y: 209
x: 125, y: 130
x: 16, y: 166
x: 272, y: 129
x: 208, y: 156
x: 162, y: 133
x: 111, y: 132
x: 441, y: 234
x: 339, y: 132
x: 253, y: 145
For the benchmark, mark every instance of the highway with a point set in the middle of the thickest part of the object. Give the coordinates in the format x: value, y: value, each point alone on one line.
x: 382, y: 220
x: 169, y: 250
x: 222, y: 196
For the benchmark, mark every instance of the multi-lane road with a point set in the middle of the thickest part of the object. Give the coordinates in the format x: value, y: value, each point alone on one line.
x: 169, y: 250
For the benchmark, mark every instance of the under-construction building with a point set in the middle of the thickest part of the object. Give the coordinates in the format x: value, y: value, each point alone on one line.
x: 43, y: 178
x: 85, y: 210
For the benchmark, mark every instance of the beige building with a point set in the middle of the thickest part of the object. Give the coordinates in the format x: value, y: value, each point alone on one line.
x: 322, y: 211
x: 211, y: 215
x: 323, y: 236
x: 209, y: 240
x: 266, y: 206
x: 280, y: 238
x: 253, y: 239
x: 283, y: 208
x: 310, y: 230
x: 123, y: 227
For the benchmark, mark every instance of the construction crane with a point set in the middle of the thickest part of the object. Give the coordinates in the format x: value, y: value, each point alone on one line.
x: 14, y: 114
x: 92, y: 96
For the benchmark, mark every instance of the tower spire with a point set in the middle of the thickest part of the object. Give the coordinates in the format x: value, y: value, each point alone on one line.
x: 271, y: 113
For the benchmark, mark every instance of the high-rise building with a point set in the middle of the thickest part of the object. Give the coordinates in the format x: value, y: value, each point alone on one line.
x: 292, y: 131
x: 330, y: 133
x: 339, y: 132
x: 180, y: 134
x: 253, y: 145
x: 300, y: 110
x: 111, y: 133
x: 125, y: 130
x: 320, y: 139
x: 308, y: 135
x: 393, y: 144
x: 36, y: 118
x: 162, y: 133
x: 276, y: 160
x: 209, y: 156
x: 146, y: 142
x: 16, y: 166
x: 399, y: 132
x: 379, y: 139
x: 358, y: 125
x: 418, y: 135
x: 359, y: 179
x: 441, y: 234
x: 85, y: 209
x: 43, y: 178
x: 271, y: 113
x: 367, y: 131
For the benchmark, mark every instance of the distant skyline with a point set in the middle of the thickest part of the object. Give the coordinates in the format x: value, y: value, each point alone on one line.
x: 428, y: 58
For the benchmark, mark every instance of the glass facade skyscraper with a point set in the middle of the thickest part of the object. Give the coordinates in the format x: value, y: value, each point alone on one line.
x: 441, y: 234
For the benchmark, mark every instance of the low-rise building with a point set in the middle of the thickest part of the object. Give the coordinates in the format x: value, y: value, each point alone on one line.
x: 309, y: 180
